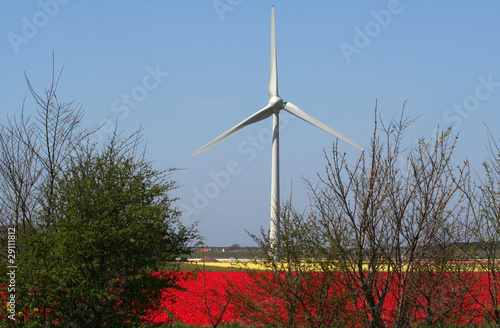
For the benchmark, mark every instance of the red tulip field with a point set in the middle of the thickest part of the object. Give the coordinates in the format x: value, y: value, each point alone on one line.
x: 207, y: 300
x: 215, y: 299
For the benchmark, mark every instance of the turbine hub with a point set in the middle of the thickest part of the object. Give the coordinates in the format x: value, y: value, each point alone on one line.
x: 276, y: 103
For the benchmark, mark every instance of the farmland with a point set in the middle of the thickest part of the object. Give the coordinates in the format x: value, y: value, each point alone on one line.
x: 226, y: 254
x: 210, y: 298
x: 225, y: 293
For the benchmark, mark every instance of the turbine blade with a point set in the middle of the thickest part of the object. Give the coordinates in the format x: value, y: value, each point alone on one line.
x: 273, y: 75
x: 259, y: 116
x: 292, y: 109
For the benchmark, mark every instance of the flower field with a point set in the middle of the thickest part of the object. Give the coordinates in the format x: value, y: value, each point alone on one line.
x: 205, y: 301
x: 214, y: 298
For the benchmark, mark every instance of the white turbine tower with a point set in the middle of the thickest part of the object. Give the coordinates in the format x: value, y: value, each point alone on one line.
x: 273, y: 108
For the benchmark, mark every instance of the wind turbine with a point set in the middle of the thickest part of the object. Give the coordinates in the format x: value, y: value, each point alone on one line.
x: 273, y: 108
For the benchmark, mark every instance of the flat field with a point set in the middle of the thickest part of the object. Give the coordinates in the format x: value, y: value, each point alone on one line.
x: 236, y: 254
x: 205, y: 296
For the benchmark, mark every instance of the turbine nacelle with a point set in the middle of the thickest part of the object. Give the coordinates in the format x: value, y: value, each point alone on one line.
x: 276, y: 104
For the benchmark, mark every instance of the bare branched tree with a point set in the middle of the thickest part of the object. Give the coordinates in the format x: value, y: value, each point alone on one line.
x: 484, y: 205
x: 55, y: 135
x: 384, y: 220
x: 19, y: 174
x: 33, y: 152
x: 379, y: 233
x: 301, y: 286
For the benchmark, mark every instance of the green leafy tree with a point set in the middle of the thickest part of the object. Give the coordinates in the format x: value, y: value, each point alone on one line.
x: 92, y: 260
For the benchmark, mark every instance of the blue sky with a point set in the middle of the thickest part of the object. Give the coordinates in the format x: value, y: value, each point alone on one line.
x: 189, y: 70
